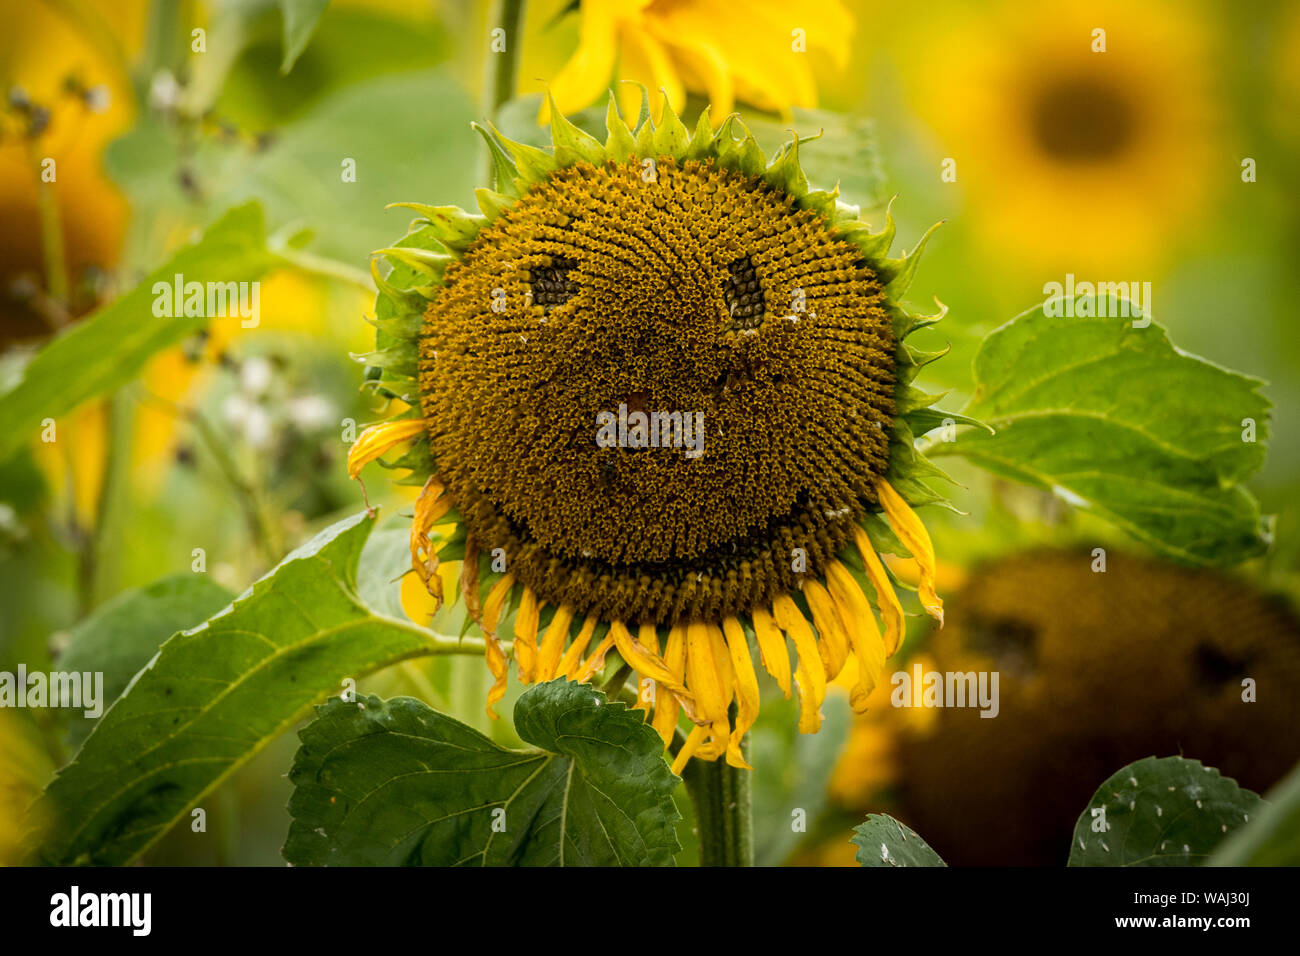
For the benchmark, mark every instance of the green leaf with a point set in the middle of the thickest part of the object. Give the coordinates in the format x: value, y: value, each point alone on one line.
x: 216, y: 695
x: 883, y: 841
x: 109, y: 348
x: 300, y: 19
x: 1270, y: 839
x: 396, y: 783
x: 1114, y: 419
x: 122, y: 635
x: 1160, y: 811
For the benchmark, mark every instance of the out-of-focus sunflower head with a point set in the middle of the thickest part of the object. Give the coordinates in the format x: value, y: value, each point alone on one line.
x: 1084, y: 133
x: 660, y: 386
x: 1096, y: 670
x: 63, y: 98
x: 762, y: 54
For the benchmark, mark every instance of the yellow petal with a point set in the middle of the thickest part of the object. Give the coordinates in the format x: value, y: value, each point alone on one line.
x: 722, y: 662
x: 496, y: 663
x: 916, y: 539
x: 572, y: 659
x: 587, y: 74
x: 772, y: 649
x: 645, y: 661
x: 526, y: 635
x: 693, y: 741
x: 702, y: 673
x: 429, y: 507
x: 594, y: 663
x: 552, y: 647
x: 469, y: 581
x: 890, y: 610
x: 810, y: 676
x: 742, y: 666
x: 834, y: 643
x: 667, y: 705
x: 646, y: 61
x: 496, y: 600
x: 378, y: 439
x: 868, y: 647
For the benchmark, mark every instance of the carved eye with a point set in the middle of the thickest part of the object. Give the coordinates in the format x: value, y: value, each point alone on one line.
x: 551, y: 284
x: 743, y: 294
x: 1011, y: 642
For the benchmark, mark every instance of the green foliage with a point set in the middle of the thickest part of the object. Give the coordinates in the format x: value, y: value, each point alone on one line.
x: 300, y: 19
x: 1272, y: 838
x: 883, y: 841
x: 298, y: 175
x: 396, y: 783
x: 792, y: 771
x: 108, y: 349
x: 216, y: 695
x: 120, y: 637
x: 1160, y: 811
x: 1116, y: 420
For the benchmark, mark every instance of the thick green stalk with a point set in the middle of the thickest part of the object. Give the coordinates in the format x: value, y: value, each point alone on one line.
x: 724, y: 810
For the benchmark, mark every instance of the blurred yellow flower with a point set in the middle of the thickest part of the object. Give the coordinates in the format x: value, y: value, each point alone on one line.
x: 25, y: 769
x: 759, y: 54
x: 80, y: 99
x: 1086, y: 133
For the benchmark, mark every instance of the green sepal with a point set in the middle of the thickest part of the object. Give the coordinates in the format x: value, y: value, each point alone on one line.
x: 504, y: 170
x: 401, y: 358
x: 645, y: 128
x: 897, y: 273
x: 874, y: 245
x: 534, y: 164
x: 404, y: 325
x: 784, y: 171
x: 431, y: 264
x: 454, y: 227
x: 491, y: 203
x: 906, y: 322
x: 925, y: 420
x: 671, y: 138
x: 401, y: 300
x: 701, y: 144
x: 743, y: 155
x: 620, y: 144
x: 910, y: 399
x: 822, y: 201
x: 571, y: 144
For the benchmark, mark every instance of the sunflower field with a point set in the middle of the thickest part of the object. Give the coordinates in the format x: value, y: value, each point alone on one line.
x: 648, y: 433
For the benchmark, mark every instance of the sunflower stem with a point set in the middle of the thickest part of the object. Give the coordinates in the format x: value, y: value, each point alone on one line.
x: 502, y: 70
x: 57, y: 285
x: 724, y: 810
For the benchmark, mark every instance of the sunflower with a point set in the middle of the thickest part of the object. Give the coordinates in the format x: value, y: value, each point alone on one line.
x: 1074, y: 155
x: 701, y: 46
x: 1096, y: 670
x: 678, y: 275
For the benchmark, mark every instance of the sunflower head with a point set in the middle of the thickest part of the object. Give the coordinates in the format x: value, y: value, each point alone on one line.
x: 1096, y: 670
x: 660, y: 385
